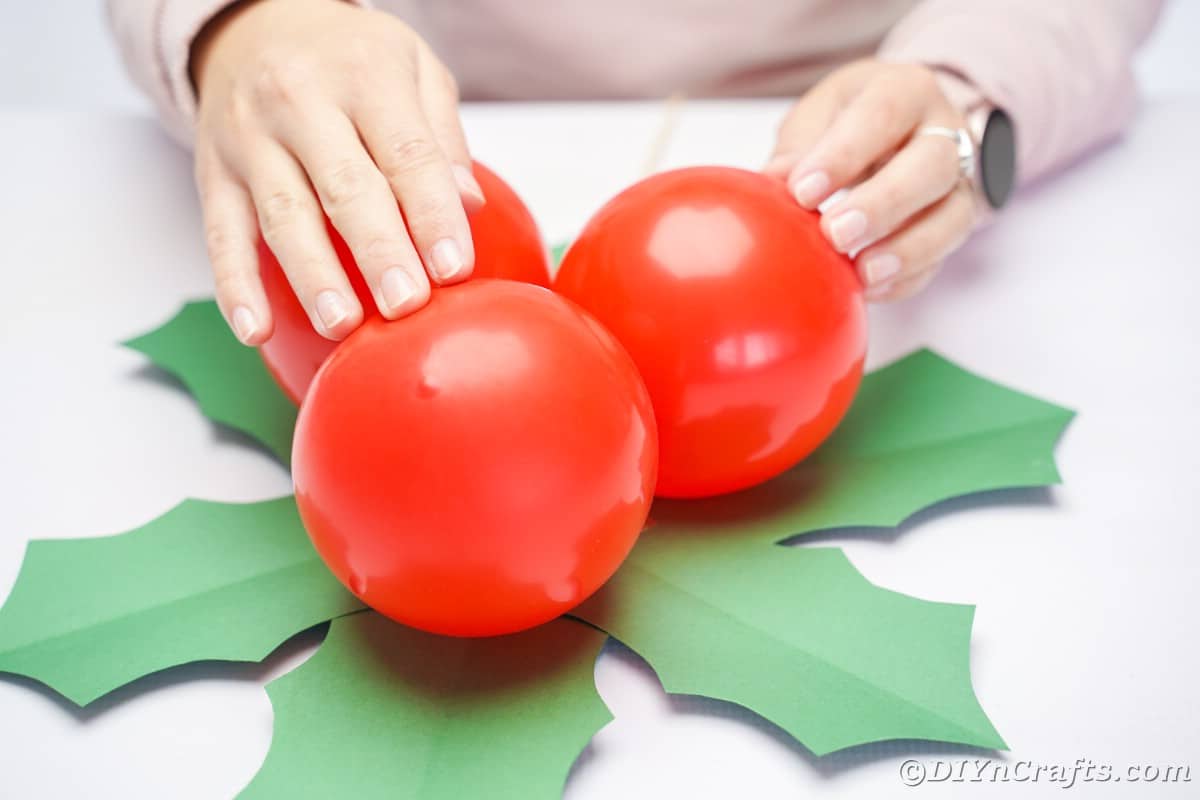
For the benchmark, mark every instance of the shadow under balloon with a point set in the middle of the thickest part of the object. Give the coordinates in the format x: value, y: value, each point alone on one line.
x: 759, y: 504
x: 192, y: 672
x: 453, y: 670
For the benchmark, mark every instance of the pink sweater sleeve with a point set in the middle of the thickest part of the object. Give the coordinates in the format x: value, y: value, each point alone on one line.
x: 1061, y: 68
x: 155, y: 38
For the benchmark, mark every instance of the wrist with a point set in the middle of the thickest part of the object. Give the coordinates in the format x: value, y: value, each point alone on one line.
x: 991, y: 131
x: 958, y: 91
x: 205, y: 43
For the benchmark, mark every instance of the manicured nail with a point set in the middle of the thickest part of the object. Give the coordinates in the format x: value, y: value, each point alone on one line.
x: 244, y: 325
x: 397, y: 288
x: 880, y: 268
x: 467, y: 185
x: 847, y: 228
x: 331, y: 308
x: 447, y: 260
x: 811, y: 189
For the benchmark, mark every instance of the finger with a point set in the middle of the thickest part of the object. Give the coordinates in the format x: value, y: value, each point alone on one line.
x: 908, y: 286
x: 294, y: 228
x: 888, y: 267
x: 439, y: 97
x: 361, y: 206
x: 876, y: 121
x: 231, y: 235
x: 923, y: 172
x: 404, y: 147
x: 803, y: 126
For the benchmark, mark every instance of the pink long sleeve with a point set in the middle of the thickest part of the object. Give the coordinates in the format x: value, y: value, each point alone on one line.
x: 155, y: 38
x: 1061, y: 68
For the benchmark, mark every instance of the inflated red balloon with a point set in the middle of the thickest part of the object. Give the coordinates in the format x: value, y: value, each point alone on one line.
x: 480, y: 466
x: 507, y: 245
x: 748, y: 328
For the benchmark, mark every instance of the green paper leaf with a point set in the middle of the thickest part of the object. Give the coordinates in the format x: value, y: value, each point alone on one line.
x: 205, y: 581
x: 385, y: 711
x: 229, y: 380
x: 798, y: 636
x: 921, y: 430
x: 557, y: 252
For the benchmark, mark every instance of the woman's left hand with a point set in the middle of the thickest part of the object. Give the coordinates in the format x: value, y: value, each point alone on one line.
x: 907, y: 207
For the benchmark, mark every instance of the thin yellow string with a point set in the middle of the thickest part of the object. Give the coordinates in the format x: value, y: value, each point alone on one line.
x: 672, y: 110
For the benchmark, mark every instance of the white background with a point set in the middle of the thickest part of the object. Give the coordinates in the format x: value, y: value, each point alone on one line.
x: 1085, y: 293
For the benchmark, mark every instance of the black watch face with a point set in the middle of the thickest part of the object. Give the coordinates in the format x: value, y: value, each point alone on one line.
x: 998, y: 158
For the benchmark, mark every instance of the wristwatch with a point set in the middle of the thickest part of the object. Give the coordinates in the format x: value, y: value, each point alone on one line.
x: 991, y: 131
x: 996, y: 148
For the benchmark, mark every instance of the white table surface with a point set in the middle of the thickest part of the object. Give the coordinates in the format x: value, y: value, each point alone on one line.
x: 1087, y: 292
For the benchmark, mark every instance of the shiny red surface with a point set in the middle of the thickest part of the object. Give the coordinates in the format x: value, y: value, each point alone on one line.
x: 507, y: 245
x: 748, y: 328
x: 479, y: 467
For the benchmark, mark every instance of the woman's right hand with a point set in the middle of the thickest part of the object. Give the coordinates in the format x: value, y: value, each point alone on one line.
x: 316, y: 107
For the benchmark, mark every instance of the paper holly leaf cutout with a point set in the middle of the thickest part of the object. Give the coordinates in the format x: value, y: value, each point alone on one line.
x: 557, y: 252
x: 205, y: 581
x: 385, y: 711
x: 228, y: 380
x: 798, y: 636
x: 921, y: 430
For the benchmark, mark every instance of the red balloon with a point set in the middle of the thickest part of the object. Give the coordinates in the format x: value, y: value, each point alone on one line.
x: 748, y: 328
x: 479, y: 467
x: 507, y: 245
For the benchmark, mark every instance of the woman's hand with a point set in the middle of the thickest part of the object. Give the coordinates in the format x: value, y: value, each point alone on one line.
x: 316, y: 107
x: 906, y: 207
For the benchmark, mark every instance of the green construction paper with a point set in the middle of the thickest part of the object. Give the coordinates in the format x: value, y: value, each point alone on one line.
x: 795, y: 634
x: 556, y: 254
x: 205, y: 581
x: 798, y: 636
x: 385, y: 711
x: 228, y: 380
x: 921, y: 430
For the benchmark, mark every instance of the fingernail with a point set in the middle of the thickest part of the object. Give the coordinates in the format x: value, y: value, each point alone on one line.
x: 447, y: 260
x: 467, y: 184
x: 397, y: 288
x: 847, y: 228
x: 880, y: 268
x: 331, y: 308
x: 244, y: 325
x: 811, y: 189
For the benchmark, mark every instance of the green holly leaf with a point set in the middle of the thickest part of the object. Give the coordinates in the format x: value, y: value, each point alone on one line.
x: 798, y: 636
x: 385, y: 711
x: 556, y: 254
x: 205, y: 581
x: 921, y: 430
x: 228, y: 380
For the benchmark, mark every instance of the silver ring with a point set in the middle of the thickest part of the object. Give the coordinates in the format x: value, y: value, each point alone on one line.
x: 963, y: 144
